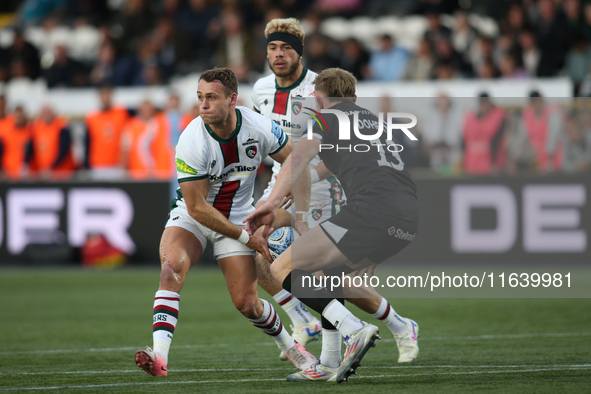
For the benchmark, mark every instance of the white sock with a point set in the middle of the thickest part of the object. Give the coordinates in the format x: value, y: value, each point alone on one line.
x: 342, y: 318
x: 331, y: 348
x: 166, y: 314
x: 271, y: 325
x: 387, y: 315
x: 294, y: 308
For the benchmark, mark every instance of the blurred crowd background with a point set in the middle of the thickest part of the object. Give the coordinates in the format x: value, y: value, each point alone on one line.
x: 122, y: 43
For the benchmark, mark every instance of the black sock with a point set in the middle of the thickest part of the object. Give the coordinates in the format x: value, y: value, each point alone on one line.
x: 315, y: 298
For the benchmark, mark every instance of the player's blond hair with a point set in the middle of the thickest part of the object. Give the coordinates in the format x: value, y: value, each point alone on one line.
x: 286, y: 25
x: 336, y: 83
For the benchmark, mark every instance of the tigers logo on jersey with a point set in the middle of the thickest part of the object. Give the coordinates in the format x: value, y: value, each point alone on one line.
x: 251, y: 151
x: 296, y: 108
x: 316, y: 213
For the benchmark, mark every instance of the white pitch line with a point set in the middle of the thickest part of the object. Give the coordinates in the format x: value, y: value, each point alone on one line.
x: 442, y: 338
x: 270, y: 380
x: 401, y: 367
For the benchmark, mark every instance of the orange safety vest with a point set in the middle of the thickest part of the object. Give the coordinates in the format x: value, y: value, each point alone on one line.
x: 149, y: 152
x: 185, y: 120
x: 537, y: 132
x: 104, y: 130
x: 15, y: 141
x: 478, y: 137
x: 46, y: 148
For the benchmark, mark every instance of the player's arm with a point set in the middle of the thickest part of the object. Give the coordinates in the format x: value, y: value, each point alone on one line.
x: 319, y: 173
x: 302, y: 189
x: 195, y: 195
x: 291, y: 170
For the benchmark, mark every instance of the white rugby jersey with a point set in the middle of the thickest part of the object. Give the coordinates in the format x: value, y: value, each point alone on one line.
x: 276, y: 103
x: 229, y: 164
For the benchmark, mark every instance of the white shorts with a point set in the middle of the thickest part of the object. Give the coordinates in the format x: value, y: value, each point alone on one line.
x: 222, y: 245
x: 325, y: 201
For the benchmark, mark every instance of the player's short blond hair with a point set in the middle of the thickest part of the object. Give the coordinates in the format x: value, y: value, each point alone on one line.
x: 336, y: 83
x: 286, y: 25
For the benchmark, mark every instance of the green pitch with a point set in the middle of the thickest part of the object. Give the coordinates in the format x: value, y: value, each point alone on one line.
x: 75, y: 331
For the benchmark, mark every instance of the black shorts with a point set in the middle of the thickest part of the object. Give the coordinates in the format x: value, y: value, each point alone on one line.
x: 370, y: 236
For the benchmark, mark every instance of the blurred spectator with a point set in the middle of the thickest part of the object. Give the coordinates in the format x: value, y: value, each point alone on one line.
x: 574, y: 20
x: 541, y: 126
x: 62, y: 71
x: 445, y: 71
x: 200, y: 23
x: 487, y: 70
x: 103, y: 137
x: 577, y: 142
x: 435, y: 31
x: 586, y: 25
x: 483, y: 138
x: 23, y: 57
x: 445, y: 53
x: 171, y: 46
x: 95, y: 12
x: 442, y: 136
x: 389, y: 62
x: 463, y: 36
x: 483, y: 51
x: 530, y: 54
x: 52, y: 146
x: 346, y: 8
x: 15, y: 145
x: 551, y: 33
x: 103, y: 71
x: 146, y: 150
x: 577, y: 62
x: 235, y: 44
x: 354, y: 58
x: 317, y: 56
x: 509, y: 69
x: 515, y: 21
x: 136, y: 21
x: 4, y: 115
x: 421, y: 65
x: 35, y: 11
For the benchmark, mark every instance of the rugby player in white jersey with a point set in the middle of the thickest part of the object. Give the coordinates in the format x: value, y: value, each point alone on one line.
x: 217, y: 158
x: 272, y: 97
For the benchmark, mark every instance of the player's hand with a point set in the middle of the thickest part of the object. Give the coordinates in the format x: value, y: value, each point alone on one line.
x: 258, y: 243
x: 371, y: 269
x: 301, y: 227
x: 262, y: 216
x: 287, y: 201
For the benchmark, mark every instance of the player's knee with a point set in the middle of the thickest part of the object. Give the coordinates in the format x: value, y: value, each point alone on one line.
x: 173, y: 271
x: 246, y: 305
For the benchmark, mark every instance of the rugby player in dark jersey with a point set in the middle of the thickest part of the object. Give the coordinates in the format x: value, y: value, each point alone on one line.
x: 381, y: 201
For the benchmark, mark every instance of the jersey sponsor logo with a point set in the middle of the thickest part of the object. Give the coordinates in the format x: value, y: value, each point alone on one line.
x: 401, y: 234
x: 183, y: 167
x: 176, y: 218
x: 251, y: 151
x: 232, y: 170
x: 213, y: 163
x: 316, y: 213
x: 249, y: 141
x: 296, y: 108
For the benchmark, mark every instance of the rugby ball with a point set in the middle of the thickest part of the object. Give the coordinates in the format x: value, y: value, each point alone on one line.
x: 280, y: 240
